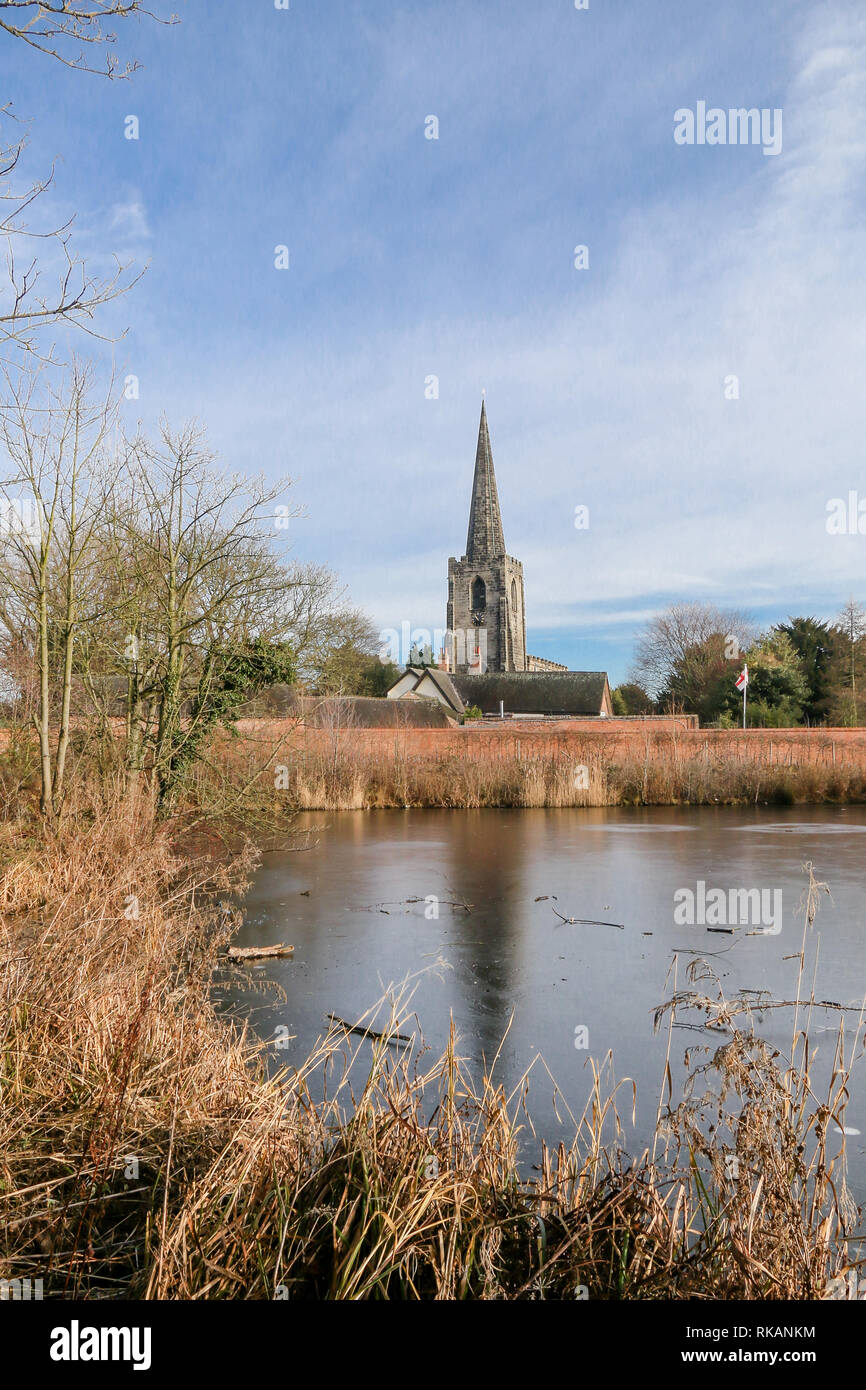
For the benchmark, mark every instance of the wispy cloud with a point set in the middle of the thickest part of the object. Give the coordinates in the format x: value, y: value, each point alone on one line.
x: 606, y: 387
x: 128, y: 221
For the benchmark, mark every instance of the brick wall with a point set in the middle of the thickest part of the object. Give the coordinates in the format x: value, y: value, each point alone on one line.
x: 576, y: 739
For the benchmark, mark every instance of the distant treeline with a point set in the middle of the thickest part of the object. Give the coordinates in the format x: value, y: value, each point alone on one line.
x: 801, y: 672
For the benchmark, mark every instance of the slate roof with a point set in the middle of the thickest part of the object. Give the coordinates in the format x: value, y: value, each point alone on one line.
x: 534, y: 692
x: 347, y: 711
x: 444, y: 682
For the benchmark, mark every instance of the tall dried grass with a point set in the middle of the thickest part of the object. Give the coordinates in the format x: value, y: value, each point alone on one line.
x: 147, y: 1150
x: 350, y: 779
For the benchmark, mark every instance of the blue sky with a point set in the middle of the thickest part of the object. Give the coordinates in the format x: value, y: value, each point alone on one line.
x: 454, y: 257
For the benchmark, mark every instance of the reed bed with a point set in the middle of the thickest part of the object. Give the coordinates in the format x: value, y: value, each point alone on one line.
x: 149, y: 1148
x: 349, y: 779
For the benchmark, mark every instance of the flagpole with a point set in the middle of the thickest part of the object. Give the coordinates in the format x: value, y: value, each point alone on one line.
x: 745, y: 688
x: 744, y: 678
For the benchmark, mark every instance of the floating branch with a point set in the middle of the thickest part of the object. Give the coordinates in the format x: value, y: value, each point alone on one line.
x: 722, y: 1012
x: 258, y: 952
x: 700, y: 951
x: 367, y: 1032
x: 586, y: 921
x: 411, y: 902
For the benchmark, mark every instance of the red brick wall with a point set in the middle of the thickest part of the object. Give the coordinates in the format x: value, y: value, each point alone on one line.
x: 574, y: 739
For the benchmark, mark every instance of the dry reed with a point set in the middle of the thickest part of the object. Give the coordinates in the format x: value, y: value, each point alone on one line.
x: 348, y: 778
x: 148, y: 1151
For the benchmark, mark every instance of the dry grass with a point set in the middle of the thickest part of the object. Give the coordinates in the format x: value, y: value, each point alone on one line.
x: 260, y: 780
x: 147, y: 1151
x: 349, y: 779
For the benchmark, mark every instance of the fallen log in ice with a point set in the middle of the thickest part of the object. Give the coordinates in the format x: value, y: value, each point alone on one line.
x: 258, y: 952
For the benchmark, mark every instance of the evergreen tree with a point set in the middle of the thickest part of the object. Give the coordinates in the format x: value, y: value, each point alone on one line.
x: 778, y: 689
x: 817, y: 646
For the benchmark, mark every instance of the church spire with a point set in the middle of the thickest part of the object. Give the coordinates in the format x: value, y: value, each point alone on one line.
x: 485, y: 540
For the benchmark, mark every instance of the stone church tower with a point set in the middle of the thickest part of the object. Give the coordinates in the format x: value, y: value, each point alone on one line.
x: 486, y: 608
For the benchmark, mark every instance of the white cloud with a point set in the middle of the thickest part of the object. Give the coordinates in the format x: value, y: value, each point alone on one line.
x: 607, y: 391
x: 128, y: 220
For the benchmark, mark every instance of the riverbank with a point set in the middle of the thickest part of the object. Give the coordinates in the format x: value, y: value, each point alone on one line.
x: 146, y: 1150
x: 560, y: 763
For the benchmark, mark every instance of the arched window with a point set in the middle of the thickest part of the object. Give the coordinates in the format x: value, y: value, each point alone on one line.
x: 479, y: 595
x: 514, y: 597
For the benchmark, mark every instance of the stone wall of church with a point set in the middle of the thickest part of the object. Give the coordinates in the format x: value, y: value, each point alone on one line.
x: 486, y: 615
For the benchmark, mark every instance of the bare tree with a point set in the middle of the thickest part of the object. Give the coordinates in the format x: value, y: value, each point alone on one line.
x: 141, y: 578
x: 679, y: 649
x: 52, y: 498
x: 70, y: 31
x: 851, y: 625
x: 28, y: 307
x: 203, y: 589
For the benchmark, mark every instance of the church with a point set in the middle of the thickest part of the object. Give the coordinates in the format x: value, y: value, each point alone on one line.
x: 485, y: 664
